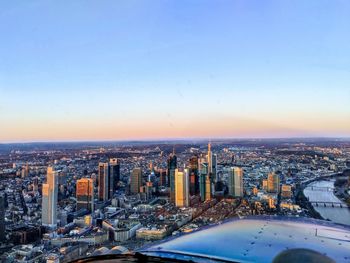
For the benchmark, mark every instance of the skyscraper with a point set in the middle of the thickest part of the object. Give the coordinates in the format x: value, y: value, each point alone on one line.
x: 208, y: 188
x: 163, y: 177
x: 193, y: 171
x: 172, y: 165
x: 214, y: 168
x: 181, y: 188
x: 114, y: 176
x: 273, y: 183
x: 135, y: 180
x: 235, y: 182
x: 108, y: 178
x: 212, y: 163
x: 49, y: 198
x: 103, y: 181
x: 85, y: 194
x: 203, y: 174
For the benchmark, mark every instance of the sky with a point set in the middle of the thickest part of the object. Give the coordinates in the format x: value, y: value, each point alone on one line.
x: 162, y: 69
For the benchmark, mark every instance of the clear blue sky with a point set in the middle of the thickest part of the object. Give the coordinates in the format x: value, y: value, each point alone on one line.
x: 81, y: 70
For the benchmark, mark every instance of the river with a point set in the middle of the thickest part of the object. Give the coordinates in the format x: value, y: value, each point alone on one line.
x: 316, y: 191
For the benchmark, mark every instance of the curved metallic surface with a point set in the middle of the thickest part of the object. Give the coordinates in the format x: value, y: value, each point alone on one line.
x: 257, y: 240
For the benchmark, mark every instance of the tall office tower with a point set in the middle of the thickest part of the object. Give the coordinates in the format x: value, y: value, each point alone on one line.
x: 209, y: 159
x: 114, y: 176
x: 103, y: 181
x: 163, y: 177
x: 214, y: 168
x: 135, y: 180
x: 203, y: 172
x: 108, y: 178
x: 211, y: 173
x: 85, y: 194
x: 181, y: 188
x: 235, y: 182
x: 172, y: 165
x: 49, y: 198
x: 202, y: 178
x: 212, y: 163
x: 273, y: 182
x: 2, y: 217
x: 149, y: 189
x: 208, y: 187
x: 194, y: 180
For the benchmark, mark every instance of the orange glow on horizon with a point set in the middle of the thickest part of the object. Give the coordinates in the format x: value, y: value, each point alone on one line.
x: 211, y: 127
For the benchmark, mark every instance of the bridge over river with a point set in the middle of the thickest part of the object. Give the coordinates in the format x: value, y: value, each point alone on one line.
x: 321, y: 195
x: 329, y: 204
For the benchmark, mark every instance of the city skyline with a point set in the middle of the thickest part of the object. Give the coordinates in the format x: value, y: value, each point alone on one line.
x: 132, y: 70
x: 76, y: 200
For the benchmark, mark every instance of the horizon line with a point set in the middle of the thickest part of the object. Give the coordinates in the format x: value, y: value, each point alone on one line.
x: 177, y: 139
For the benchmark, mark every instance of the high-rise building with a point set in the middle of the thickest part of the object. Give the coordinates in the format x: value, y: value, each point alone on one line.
x: 49, y: 198
x: 85, y: 194
x: 149, y: 189
x: 103, y: 181
x: 212, y: 164
x: 273, y: 183
x: 214, y: 169
x: 172, y: 165
x: 181, y: 188
x: 114, y: 176
x: 193, y: 171
x: 235, y: 182
x: 135, y: 180
x: 203, y: 174
x: 208, y: 187
x: 163, y: 177
x: 108, y: 179
x: 2, y: 217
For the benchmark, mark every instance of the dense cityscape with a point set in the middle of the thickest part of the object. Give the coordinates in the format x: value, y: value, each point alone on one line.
x: 64, y: 201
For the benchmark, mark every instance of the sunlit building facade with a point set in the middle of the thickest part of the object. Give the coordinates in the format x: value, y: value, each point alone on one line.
x: 49, y: 198
x: 103, y: 181
x: 182, y: 188
x: 235, y: 182
x: 286, y: 191
x: 85, y: 194
x: 135, y: 180
x: 273, y: 183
